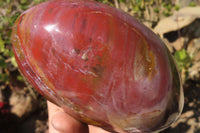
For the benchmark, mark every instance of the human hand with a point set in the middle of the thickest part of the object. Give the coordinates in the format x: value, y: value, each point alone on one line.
x: 61, y: 122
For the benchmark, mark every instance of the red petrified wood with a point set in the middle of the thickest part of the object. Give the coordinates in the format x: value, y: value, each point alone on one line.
x: 99, y: 64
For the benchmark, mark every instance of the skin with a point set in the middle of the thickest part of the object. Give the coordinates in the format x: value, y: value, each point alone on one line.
x: 61, y: 122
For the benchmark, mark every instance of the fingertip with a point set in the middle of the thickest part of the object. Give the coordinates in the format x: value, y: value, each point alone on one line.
x: 63, y: 122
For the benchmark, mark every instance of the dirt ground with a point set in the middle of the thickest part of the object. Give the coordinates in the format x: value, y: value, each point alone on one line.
x: 23, y: 110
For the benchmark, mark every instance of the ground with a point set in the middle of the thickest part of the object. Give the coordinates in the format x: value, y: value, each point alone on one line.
x: 22, y: 109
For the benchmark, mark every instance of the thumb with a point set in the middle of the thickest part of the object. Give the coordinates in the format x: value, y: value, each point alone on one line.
x: 61, y: 122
